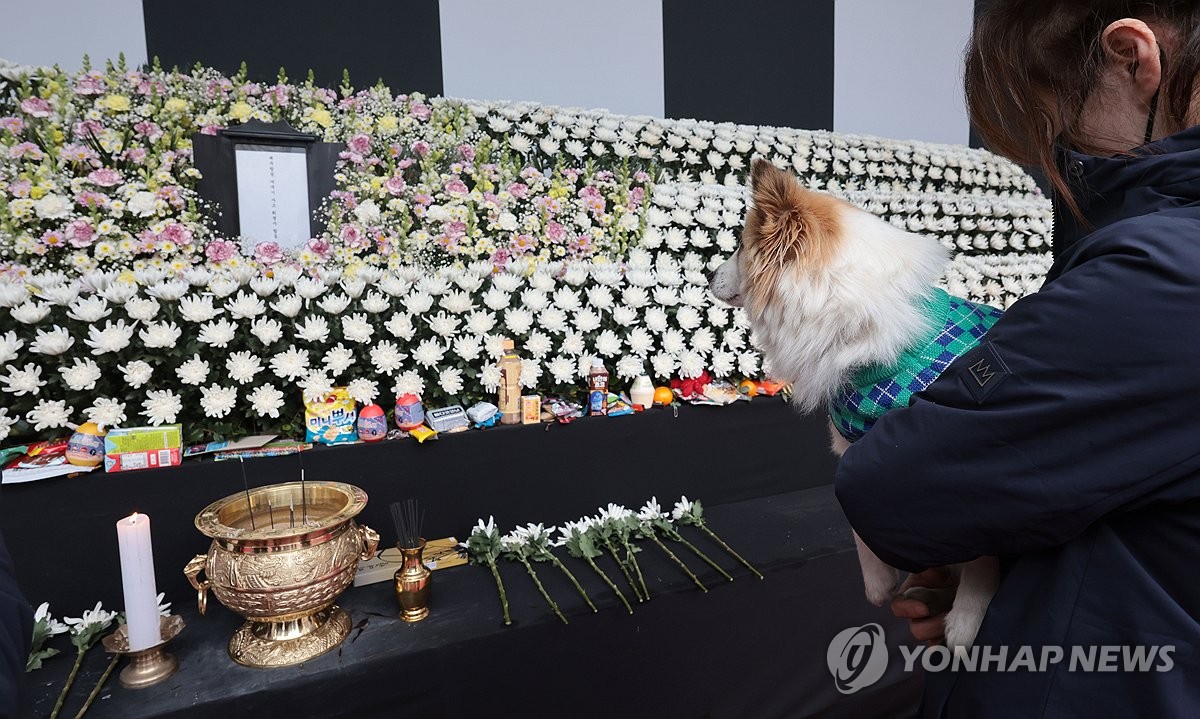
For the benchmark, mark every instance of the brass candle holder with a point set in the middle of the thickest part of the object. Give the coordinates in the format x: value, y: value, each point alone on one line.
x: 149, y: 666
x: 412, y: 583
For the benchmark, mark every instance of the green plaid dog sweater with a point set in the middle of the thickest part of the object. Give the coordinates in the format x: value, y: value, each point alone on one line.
x: 875, y: 389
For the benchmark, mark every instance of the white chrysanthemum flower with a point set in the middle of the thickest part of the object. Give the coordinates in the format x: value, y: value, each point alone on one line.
x: 314, y: 328
x: 316, y: 386
x: 468, y: 347
x: 334, y: 304
x: 290, y: 364
x: 624, y: 316
x: 562, y: 370
x: 418, y: 302
x: 531, y: 372
x: 576, y: 274
x: 694, y: 295
x: 480, y: 322
x: 655, y: 319
x: 30, y: 313
x: 664, y: 365
x: 288, y: 305
x: 704, y: 341
x: 443, y: 325
x: 542, y: 281
x: 393, y: 285
x: 429, y: 353
x: 496, y: 299
x: 691, y: 364
x: 600, y: 297
x: 640, y: 341
x: 409, y: 382
x: 82, y: 375
x: 629, y: 367
x: 665, y: 296
x: 136, y: 373
x: 386, y: 357
x: 266, y: 401
x: 243, y: 366
x: 6, y: 425
x: 748, y: 363
x: 635, y: 297
x: 639, y: 279
x: 198, y: 308
x: 245, y: 306
x: 553, y: 320
x: 718, y: 317
x: 538, y: 344
x: 566, y: 299
x: 506, y: 282
x: 113, y: 338
x: 168, y: 291
x: 518, y: 320
x: 493, y: 345
x: 89, y: 309
x: 161, y: 407
x: 376, y: 302
x: 194, y: 371
x: 457, y: 302
x: 734, y: 339
x: 450, y: 380
x: 217, y: 401
x: 49, y: 414
x: 489, y: 378
x: 12, y: 293
x: 357, y: 328
x: 310, y: 288
x: 673, y: 341
x: 10, y: 343
x: 219, y: 333
x: 573, y: 344
x: 401, y: 326
x: 264, y: 286
x: 723, y: 363
x: 585, y: 320
x: 338, y: 359
x: 48, y: 342
x: 608, y: 343
x: 142, y: 308
x: 268, y: 331
x: 727, y: 242
x: 688, y: 318
x: 363, y: 390
x: 534, y: 300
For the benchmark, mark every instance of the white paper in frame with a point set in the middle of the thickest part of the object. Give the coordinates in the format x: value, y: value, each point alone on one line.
x: 272, y: 186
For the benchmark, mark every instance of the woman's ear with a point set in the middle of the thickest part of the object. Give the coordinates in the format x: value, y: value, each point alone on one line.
x: 1132, y: 50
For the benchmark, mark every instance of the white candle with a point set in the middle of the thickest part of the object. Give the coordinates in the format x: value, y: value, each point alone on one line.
x: 137, y: 577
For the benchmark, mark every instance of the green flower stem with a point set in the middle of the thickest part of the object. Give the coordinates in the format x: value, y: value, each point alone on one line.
x: 538, y: 582
x: 62, y: 696
x: 729, y: 549
x: 574, y: 581
x: 624, y: 570
x: 637, y: 568
x: 609, y: 582
x: 679, y: 562
x: 702, y: 555
x: 503, y: 596
x: 112, y: 664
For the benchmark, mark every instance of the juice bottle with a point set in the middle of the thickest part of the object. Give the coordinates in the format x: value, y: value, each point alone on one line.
x: 598, y: 389
x: 510, y: 385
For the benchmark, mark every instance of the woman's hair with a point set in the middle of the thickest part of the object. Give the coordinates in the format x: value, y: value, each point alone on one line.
x: 1031, y: 64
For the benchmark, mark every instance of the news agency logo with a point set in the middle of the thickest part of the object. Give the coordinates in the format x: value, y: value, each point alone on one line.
x: 857, y: 657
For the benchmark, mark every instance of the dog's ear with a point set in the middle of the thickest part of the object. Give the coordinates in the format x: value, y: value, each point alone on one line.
x: 774, y: 191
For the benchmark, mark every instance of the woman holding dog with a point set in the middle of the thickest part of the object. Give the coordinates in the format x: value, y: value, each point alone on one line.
x: 1068, y: 443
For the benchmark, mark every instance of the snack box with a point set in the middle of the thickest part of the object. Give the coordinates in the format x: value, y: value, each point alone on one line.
x: 531, y: 409
x: 132, y: 448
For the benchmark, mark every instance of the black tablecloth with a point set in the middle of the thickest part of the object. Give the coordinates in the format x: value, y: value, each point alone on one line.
x: 62, y: 537
x: 747, y: 649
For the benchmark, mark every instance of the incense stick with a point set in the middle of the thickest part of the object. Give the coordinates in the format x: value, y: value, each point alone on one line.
x: 408, y: 522
x: 271, y: 512
x: 246, y: 485
x: 304, y: 496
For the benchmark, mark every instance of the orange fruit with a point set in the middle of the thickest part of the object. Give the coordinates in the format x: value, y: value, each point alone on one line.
x: 663, y: 395
x: 748, y: 387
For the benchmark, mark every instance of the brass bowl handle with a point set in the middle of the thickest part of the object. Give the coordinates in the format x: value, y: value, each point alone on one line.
x: 370, y: 539
x: 193, y: 570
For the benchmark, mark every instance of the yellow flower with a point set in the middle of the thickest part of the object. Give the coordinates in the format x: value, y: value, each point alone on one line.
x: 176, y: 105
x: 558, y: 193
x: 104, y: 249
x: 127, y: 277
x: 322, y: 117
x: 116, y: 103
x: 388, y: 123
x: 179, y: 266
x: 240, y: 111
x: 37, y: 193
x: 57, y: 135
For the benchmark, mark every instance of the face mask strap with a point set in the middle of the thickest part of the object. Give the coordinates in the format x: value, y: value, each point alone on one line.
x: 1154, y: 100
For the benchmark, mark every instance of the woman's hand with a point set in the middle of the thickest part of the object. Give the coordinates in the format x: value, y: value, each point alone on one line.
x: 924, y: 599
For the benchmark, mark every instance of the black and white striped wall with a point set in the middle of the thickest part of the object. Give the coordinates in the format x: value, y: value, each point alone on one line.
x: 882, y: 67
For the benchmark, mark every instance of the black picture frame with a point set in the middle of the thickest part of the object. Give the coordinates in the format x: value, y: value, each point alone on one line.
x: 215, y: 157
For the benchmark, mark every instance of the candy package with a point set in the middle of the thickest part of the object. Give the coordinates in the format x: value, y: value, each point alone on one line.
x: 563, y: 411
x: 619, y: 405
x: 331, y: 419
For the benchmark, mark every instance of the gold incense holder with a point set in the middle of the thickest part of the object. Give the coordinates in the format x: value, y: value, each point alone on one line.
x: 150, y: 666
x: 281, y: 559
x: 412, y: 584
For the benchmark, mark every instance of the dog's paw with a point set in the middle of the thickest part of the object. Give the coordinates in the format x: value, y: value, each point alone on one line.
x: 961, y: 628
x: 880, y: 584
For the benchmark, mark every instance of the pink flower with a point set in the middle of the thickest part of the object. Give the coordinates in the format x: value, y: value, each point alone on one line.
x: 20, y: 188
x: 268, y: 253
x: 555, y: 231
x: 136, y: 155
x: 467, y: 152
x: 210, y: 129
x: 636, y: 196
x: 405, y: 163
x: 176, y: 233
x: 641, y: 176
x: 352, y: 236
x: 456, y: 186
x: 395, y: 185
x: 90, y: 84
x: 280, y: 94
x: 87, y: 128
x: 75, y: 152
x: 523, y: 243
x: 27, y: 150
x: 456, y: 230
x: 53, y: 238
x: 499, y: 257
x: 360, y: 143
x: 421, y: 148
x: 104, y: 177
x: 80, y: 233
x: 220, y: 250
x: 320, y: 247
x: 422, y: 198
x: 35, y: 107
x: 12, y: 124
x: 582, y: 245
x: 518, y: 190
x: 92, y: 199
x: 419, y: 111
x: 148, y: 129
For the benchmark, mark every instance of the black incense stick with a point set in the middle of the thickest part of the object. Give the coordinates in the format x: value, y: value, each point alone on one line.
x: 408, y: 517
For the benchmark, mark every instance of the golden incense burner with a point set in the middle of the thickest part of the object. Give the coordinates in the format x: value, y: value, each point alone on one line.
x: 281, y: 555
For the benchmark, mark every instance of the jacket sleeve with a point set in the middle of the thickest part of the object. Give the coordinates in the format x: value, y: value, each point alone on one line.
x: 16, y: 632
x: 1080, y: 403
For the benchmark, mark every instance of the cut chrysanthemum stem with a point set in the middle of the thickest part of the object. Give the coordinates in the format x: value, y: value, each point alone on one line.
x: 637, y: 568
x: 112, y: 664
x: 624, y: 570
x: 609, y: 582
x: 704, y: 527
x: 574, y: 581
x: 679, y: 538
x: 503, y: 596
x: 679, y: 562
x: 62, y: 696
x: 545, y: 594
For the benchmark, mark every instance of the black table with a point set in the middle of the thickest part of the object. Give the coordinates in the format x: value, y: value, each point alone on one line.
x: 747, y: 648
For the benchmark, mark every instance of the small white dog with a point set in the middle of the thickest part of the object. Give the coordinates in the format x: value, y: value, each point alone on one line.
x: 844, y: 307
